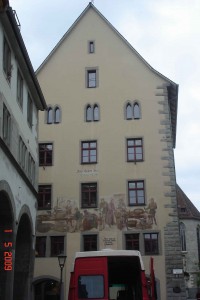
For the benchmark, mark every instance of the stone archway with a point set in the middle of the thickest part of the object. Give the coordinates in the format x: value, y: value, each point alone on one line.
x: 46, y: 289
x: 23, y: 259
x: 7, y: 240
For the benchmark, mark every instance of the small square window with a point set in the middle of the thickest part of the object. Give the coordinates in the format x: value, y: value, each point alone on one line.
x: 91, y: 46
x: 90, y: 242
x: 151, y: 243
x: 44, y: 197
x: 89, y: 195
x: 57, y: 245
x: 136, y: 195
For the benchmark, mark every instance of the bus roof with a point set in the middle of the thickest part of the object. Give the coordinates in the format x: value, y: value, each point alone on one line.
x: 110, y: 252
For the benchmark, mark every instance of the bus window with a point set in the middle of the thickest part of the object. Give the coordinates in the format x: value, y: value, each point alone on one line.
x: 90, y: 287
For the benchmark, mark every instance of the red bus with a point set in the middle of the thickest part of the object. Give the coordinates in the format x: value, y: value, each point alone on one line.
x: 108, y: 274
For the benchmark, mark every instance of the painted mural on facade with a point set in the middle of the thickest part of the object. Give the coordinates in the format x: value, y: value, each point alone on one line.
x: 112, y: 212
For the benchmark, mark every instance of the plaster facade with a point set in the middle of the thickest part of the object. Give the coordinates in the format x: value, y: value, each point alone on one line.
x: 18, y: 160
x: 122, y: 79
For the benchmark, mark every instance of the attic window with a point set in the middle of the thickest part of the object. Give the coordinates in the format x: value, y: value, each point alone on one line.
x: 91, y: 47
x: 183, y: 209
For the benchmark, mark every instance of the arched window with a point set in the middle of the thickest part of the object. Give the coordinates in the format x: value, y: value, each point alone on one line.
x: 49, y: 115
x: 129, y: 111
x: 183, y: 239
x: 88, y: 113
x: 96, y: 113
x: 57, y: 115
x: 136, y: 111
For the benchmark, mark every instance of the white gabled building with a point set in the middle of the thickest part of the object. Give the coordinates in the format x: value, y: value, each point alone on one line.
x: 20, y: 100
x: 106, y: 144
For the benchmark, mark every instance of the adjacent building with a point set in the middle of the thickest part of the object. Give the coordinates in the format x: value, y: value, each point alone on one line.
x: 107, y: 172
x: 20, y: 100
x: 190, y: 241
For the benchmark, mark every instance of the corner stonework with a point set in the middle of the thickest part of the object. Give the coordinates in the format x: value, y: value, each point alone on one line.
x: 175, y: 284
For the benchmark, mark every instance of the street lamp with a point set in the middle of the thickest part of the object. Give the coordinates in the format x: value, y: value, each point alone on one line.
x: 61, y: 261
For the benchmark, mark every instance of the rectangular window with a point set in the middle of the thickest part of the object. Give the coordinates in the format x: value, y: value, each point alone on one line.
x: 19, y: 89
x: 136, y: 193
x: 6, y: 125
x: 29, y: 165
x: 32, y: 177
x: 89, y: 152
x: 57, y: 245
x: 134, y: 150
x: 132, y: 241
x: 90, y: 242
x: 44, y: 197
x: 91, y: 46
x: 89, y: 195
x: 151, y: 243
x: 29, y: 111
x: 7, y: 60
x: 91, y: 78
x: 40, y: 246
x: 23, y: 154
x: 45, y: 154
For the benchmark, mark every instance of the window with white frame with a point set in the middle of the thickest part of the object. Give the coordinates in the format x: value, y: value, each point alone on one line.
x: 89, y: 152
x: 91, y: 47
x: 91, y: 78
x: 92, y: 113
x: 57, y: 115
x: 132, y: 111
x: 136, y: 193
x: 53, y: 115
x: 134, y: 149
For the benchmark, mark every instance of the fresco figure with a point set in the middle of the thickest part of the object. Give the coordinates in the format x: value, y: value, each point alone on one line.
x: 110, y: 216
x: 68, y: 208
x: 152, y: 206
x: 121, y: 214
x: 90, y: 220
x: 78, y: 219
x: 103, y: 207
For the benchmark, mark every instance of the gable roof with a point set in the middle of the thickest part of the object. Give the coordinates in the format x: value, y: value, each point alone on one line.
x: 172, y: 86
x: 186, y: 209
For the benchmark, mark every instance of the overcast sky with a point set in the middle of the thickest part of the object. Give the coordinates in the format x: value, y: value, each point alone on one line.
x: 165, y: 32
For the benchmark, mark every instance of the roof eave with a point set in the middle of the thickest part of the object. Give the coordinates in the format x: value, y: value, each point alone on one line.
x: 11, y: 27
